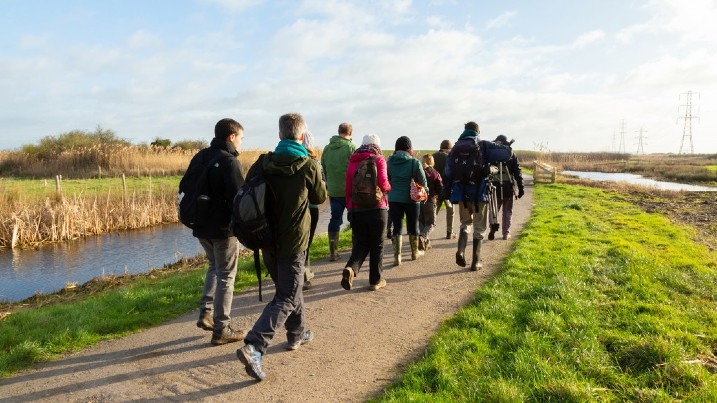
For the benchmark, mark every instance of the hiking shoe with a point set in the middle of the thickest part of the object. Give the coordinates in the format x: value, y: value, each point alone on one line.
x: 206, y: 320
x: 251, y: 358
x: 227, y: 335
x: 491, y: 235
x: 450, y: 235
x: 305, y: 338
x: 381, y: 283
x: 307, y: 285
x: 347, y: 278
x: 506, y: 237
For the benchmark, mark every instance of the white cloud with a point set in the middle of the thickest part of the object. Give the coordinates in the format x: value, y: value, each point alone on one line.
x: 500, y: 21
x: 588, y: 38
x: 143, y: 39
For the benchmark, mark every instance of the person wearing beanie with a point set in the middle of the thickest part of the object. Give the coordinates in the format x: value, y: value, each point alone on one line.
x: 334, y: 161
x: 216, y: 237
x: 508, y: 182
x: 367, y: 211
x: 308, y: 143
x: 402, y: 168
x: 439, y: 161
x: 463, y: 175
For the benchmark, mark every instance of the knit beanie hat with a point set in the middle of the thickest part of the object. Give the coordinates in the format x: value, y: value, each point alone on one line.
x: 308, y: 141
x: 403, y: 143
x: 371, y: 139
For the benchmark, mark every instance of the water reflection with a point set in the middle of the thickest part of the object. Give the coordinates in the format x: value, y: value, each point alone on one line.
x: 639, y: 180
x: 47, y: 269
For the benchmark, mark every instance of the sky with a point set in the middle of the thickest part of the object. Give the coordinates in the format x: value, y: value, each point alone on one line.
x: 555, y: 75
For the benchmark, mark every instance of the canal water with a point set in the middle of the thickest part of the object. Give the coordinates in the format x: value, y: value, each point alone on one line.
x: 47, y: 269
x: 639, y: 180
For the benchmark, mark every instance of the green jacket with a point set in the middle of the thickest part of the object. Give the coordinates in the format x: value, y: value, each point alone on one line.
x: 334, y: 161
x: 296, y: 182
x: 402, y: 167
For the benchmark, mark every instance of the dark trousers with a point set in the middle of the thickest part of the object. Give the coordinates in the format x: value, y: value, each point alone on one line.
x: 398, y: 210
x: 367, y: 232
x: 286, y: 309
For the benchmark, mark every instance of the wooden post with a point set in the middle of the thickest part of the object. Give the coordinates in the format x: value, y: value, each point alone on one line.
x: 543, y: 173
x: 124, y: 188
x: 99, y: 171
x: 57, y: 183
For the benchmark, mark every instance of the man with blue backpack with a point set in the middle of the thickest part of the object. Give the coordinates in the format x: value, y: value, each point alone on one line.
x: 466, y: 184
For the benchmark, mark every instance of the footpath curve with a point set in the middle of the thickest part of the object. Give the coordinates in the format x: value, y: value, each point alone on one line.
x: 363, y: 340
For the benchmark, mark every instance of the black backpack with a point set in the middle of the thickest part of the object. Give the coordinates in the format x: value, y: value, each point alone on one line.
x: 251, y: 210
x: 193, y: 199
x: 365, y: 192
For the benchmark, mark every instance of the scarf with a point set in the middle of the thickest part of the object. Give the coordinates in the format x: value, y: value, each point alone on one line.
x: 369, y: 148
x: 291, y: 147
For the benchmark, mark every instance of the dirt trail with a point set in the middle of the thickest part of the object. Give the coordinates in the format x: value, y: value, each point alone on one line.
x: 363, y: 339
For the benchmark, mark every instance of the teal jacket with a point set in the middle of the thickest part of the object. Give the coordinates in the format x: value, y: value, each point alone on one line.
x: 334, y: 161
x: 402, y: 167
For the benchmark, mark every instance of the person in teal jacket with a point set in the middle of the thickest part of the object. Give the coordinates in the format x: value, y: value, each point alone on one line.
x: 334, y: 161
x: 402, y: 167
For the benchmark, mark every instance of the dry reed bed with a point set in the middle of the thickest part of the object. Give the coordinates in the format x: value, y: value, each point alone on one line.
x: 61, y: 218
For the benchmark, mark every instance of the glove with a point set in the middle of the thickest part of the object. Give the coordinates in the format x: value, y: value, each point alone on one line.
x: 521, y: 192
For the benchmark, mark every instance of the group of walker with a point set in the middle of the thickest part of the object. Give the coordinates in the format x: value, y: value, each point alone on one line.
x: 479, y: 176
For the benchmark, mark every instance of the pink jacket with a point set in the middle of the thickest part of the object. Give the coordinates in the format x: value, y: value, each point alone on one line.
x: 383, y: 183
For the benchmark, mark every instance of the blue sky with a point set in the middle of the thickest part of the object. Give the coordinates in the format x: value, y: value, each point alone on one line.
x: 555, y: 75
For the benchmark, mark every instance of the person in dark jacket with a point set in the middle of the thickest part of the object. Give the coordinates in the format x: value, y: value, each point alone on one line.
x: 427, y: 216
x: 439, y: 162
x: 508, y: 182
x: 473, y: 212
x: 402, y: 167
x: 222, y: 248
x: 295, y: 180
x: 367, y: 222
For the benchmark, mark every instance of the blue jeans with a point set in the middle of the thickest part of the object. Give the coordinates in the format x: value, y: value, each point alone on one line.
x: 338, y: 205
x: 397, y: 210
x: 286, y: 309
x: 218, y: 291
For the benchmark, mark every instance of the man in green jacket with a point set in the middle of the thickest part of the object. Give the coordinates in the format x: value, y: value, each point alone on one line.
x: 295, y: 179
x: 334, y: 161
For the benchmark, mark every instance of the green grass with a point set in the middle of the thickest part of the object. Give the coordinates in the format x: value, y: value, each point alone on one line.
x: 39, y: 188
x: 598, y: 302
x: 711, y: 167
x: 34, y: 335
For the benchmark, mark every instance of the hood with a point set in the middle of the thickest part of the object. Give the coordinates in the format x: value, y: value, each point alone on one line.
x: 468, y: 133
x: 278, y: 164
x: 337, y: 142
x: 401, y: 157
x: 358, y: 157
x: 224, y: 145
x: 465, y: 144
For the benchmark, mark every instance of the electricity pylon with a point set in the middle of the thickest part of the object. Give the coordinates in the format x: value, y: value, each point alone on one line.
x: 640, y: 142
x: 687, y: 128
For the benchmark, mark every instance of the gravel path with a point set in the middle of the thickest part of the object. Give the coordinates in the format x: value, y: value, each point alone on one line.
x: 363, y: 339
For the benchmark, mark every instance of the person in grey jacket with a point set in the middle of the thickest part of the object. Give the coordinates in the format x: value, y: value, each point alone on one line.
x: 222, y: 248
x: 402, y: 167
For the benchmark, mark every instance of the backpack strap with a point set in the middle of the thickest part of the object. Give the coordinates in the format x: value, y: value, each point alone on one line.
x: 257, y: 267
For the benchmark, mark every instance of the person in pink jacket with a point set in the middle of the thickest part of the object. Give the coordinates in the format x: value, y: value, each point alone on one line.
x: 368, y: 221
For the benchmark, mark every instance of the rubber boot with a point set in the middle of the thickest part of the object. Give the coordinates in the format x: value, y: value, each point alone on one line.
x: 308, y: 274
x: 415, y: 252
x: 475, y: 262
x: 460, y: 255
x: 334, y: 246
x: 396, y: 250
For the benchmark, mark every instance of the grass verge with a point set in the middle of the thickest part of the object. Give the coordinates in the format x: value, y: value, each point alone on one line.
x: 46, y: 327
x: 598, y: 302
